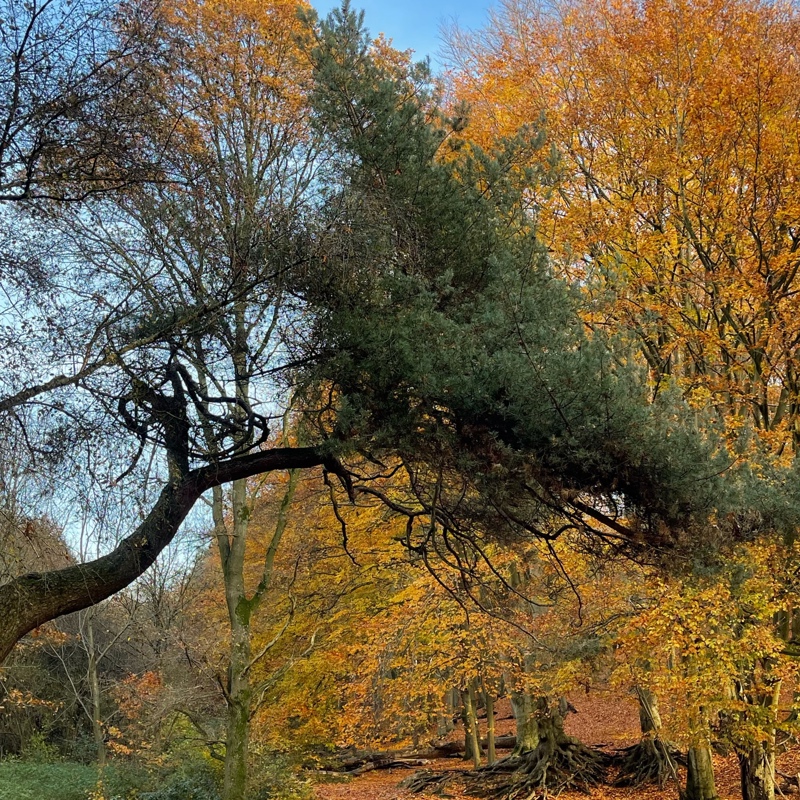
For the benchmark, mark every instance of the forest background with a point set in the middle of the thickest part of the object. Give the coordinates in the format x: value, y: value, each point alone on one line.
x: 342, y: 401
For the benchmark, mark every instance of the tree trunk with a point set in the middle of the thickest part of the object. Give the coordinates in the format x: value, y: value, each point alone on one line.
x: 491, y: 751
x: 93, y: 680
x: 38, y: 597
x: 649, y: 716
x: 559, y: 762
x: 452, y: 699
x: 238, y: 707
x: 700, y: 774
x: 525, y: 707
x: 757, y: 763
x: 472, y: 744
x: 652, y: 759
x: 232, y: 546
x: 551, y: 726
x: 757, y: 767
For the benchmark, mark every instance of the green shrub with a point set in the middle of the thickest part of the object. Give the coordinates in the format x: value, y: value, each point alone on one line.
x: 39, y: 751
x: 195, y: 781
x: 127, y: 781
x: 25, y: 780
x: 273, y: 776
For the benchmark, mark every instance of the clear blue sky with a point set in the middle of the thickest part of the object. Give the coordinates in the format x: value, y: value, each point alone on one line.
x: 415, y: 24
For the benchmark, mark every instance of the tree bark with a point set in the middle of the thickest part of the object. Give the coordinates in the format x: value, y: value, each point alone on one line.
x: 33, y: 599
x: 472, y: 744
x: 94, y: 691
x: 649, y: 716
x: 757, y: 763
x: 525, y: 708
x: 491, y: 751
x: 757, y: 768
x: 551, y: 726
x: 700, y: 774
x: 239, y: 692
x: 652, y: 759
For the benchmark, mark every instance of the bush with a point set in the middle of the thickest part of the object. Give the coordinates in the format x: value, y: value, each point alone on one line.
x: 195, y: 781
x: 126, y: 781
x: 38, y: 750
x: 273, y: 776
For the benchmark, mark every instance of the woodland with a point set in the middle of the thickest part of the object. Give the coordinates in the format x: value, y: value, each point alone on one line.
x: 361, y: 420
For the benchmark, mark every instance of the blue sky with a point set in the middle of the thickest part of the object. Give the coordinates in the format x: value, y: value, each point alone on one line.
x: 415, y: 24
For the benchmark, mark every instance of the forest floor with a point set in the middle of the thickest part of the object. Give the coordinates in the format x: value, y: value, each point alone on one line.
x: 605, y: 718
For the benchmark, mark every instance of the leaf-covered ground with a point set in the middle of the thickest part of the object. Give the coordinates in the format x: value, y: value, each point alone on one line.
x: 604, y: 718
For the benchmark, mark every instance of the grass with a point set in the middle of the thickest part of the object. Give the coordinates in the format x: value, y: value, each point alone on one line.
x: 273, y: 779
x: 68, y: 780
x: 22, y: 780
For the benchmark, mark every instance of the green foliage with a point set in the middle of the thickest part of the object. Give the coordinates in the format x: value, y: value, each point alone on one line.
x: 38, y: 750
x: 67, y: 780
x: 25, y: 780
x: 20, y: 780
x: 447, y: 339
x: 274, y: 777
x: 196, y: 780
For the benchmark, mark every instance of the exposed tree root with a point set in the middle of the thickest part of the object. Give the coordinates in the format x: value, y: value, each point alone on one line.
x: 652, y: 760
x: 547, y: 769
x: 428, y: 781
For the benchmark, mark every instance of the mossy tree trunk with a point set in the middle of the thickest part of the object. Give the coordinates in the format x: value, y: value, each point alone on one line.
x: 526, y: 710
x: 551, y: 725
x: 700, y: 783
x: 491, y: 750
x: 238, y: 690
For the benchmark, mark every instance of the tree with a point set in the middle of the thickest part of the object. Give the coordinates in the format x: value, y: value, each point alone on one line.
x: 463, y: 357
x: 240, y: 175
x: 673, y: 123
x: 73, y: 96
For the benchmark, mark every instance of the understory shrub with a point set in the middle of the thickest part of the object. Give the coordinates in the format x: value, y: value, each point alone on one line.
x: 275, y: 776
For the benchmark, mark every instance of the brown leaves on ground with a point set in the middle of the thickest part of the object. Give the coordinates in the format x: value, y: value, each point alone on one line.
x: 604, y: 718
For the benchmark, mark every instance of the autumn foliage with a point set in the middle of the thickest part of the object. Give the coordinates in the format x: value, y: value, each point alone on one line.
x: 543, y: 341
x: 675, y: 128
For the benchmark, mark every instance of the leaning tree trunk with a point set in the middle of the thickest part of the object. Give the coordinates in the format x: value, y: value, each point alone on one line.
x: 700, y: 774
x: 38, y: 597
